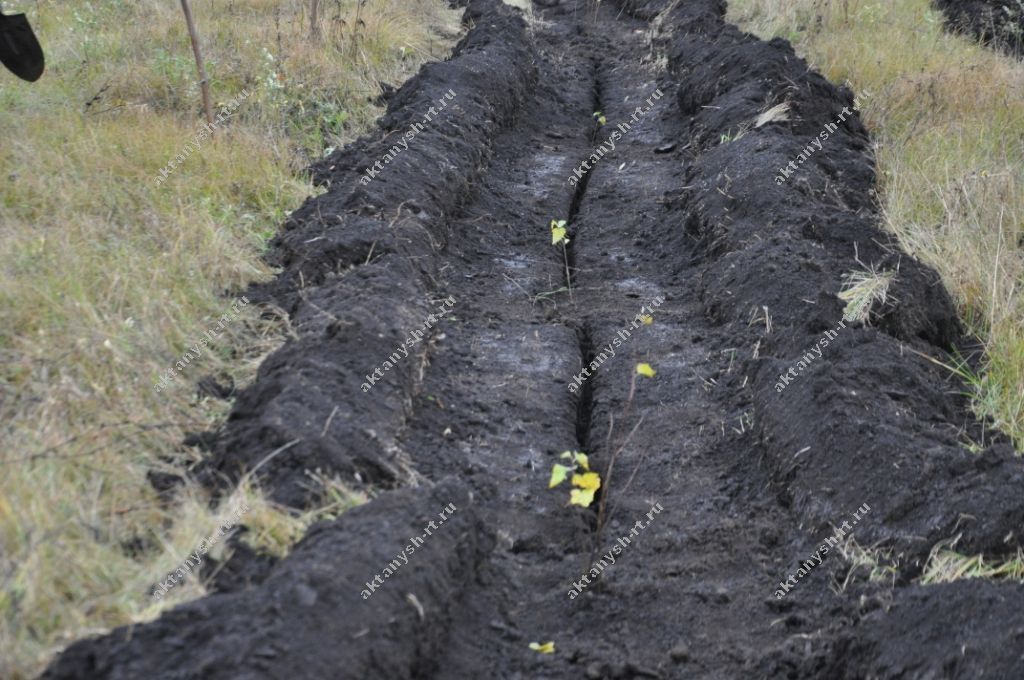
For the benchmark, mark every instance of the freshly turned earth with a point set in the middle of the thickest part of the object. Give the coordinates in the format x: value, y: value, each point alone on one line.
x: 751, y: 480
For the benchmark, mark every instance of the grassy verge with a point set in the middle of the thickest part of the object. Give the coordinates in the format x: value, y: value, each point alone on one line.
x: 947, y: 116
x: 106, y: 277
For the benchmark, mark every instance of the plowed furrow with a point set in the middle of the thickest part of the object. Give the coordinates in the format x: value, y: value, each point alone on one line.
x: 715, y: 487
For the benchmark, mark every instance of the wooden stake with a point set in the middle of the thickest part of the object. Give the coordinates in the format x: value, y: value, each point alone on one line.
x: 204, y: 83
x: 314, y: 19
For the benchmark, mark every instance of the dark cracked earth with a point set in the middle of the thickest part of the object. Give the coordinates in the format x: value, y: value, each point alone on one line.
x: 751, y: 477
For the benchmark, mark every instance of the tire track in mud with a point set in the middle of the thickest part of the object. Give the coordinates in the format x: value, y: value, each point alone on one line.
x: 479, y: 414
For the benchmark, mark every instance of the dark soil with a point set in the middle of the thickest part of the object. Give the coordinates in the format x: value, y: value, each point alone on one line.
x: 750, y: 481
x: 999, y: 23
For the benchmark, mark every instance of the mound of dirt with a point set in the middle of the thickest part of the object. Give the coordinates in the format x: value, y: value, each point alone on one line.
x: 968, y: 629
x: 999, y: 23
x: 354, y: 272
x: 876, y: 414
x: 300, y: 620
x: 709, y: 236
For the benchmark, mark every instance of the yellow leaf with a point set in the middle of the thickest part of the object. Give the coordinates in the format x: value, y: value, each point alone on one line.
x: 589, y: 480
x: 569, y: 454
x: 558, y: 231
x: 645, y: 370
x: 583, y: 497
x: 582, y: 459
x: 546, y: 648
x: 647, y: 319
x: 558, y: 475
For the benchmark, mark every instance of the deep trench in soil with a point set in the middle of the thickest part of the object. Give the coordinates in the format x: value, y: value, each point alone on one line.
x: 722, y: 486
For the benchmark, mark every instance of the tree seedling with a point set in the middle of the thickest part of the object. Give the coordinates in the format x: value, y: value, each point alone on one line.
x: 559, y: 236
x: 585, y: 481
x: 601, y: 120
x: 558, y: 232
x: 641, y: 369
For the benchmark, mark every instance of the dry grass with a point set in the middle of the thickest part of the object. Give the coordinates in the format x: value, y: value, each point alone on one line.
x: 945, y: 565
x: 861, y: 290
x: 525, y: 5
x: 947, y: 116
x: 106, y: 278
x: 875, y: 565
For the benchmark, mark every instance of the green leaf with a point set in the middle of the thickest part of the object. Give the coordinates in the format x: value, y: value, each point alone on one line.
x: 559, y: 473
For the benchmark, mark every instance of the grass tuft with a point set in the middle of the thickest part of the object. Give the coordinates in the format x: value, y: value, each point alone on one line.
x: 861, y: 290
x: 876, y: 565
x: 945, y: 565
